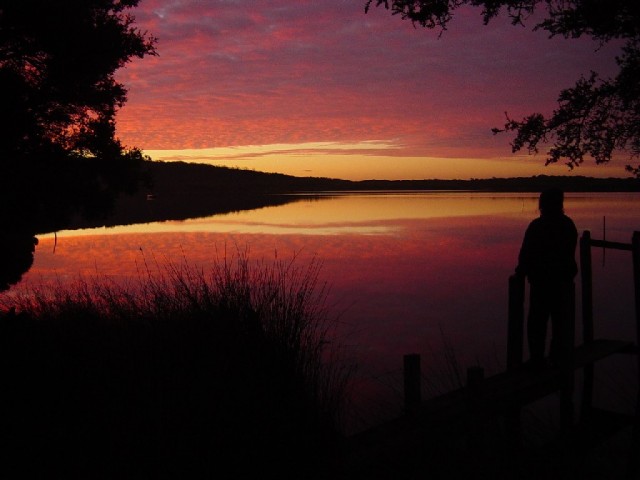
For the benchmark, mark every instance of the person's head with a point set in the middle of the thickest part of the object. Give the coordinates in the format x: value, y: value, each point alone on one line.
x: 551, y: 202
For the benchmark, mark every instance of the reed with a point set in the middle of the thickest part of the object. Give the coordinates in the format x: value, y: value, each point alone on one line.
x: 184, y: 373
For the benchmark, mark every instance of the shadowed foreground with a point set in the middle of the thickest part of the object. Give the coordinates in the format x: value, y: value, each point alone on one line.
x: 188, y: 378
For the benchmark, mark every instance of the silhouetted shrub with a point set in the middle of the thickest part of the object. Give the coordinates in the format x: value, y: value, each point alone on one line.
x: 184, y: 375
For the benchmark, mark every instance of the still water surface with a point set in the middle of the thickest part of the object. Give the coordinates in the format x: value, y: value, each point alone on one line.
x: 407, y: 272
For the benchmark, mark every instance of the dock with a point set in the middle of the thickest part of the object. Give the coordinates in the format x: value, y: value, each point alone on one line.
x: 458, y: 432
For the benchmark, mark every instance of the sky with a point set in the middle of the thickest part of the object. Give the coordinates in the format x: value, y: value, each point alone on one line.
x: 321, y: 88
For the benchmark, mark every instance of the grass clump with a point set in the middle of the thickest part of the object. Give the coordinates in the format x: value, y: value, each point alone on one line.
x: 186, y: 374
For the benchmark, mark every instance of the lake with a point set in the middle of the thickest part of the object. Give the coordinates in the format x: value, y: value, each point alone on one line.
x: 410, y: 272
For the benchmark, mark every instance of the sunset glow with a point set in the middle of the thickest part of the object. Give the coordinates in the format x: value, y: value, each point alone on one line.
x: 399, y: 267
x: 323, y: 89
x: 312, y: 239
x: 377, y: 161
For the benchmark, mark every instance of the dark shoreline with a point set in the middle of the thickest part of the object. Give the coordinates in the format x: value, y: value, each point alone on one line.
x: 179, y: 190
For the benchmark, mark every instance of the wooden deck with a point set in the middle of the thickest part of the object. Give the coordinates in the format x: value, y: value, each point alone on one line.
x: 402, y: 444
x: 395, y: 445
x: 495, y: 396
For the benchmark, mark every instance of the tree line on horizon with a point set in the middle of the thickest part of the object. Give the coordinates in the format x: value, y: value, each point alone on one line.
x: 182, y: 190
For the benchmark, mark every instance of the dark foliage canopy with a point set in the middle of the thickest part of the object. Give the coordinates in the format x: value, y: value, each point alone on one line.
x: 57, y: 65
x: 595, y: 118
x: 59, y: 155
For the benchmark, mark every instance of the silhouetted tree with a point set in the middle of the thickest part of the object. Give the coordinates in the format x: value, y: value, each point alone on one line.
x: 57, y: 64
x: 59, y: 155
x: 16, y: 257
x: 597, y: 116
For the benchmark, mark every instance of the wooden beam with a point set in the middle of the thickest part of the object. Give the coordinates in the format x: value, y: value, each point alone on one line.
x: 587, y: 320
x: 611, y: 245
x: 634, y: 461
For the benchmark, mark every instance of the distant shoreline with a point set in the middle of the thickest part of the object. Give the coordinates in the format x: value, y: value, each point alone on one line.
x: 224, y: 177
x: 179, y: 190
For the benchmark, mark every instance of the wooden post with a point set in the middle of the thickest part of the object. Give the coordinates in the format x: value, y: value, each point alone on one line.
x: 587, y: 320
x: 412, y: 386
x: 475, y: 380
x: 567, y: 367
x: 515, y: 341
x: 515, y: 325
x: 587, y: 286
x: 635, y: 251
x: 634, y: 461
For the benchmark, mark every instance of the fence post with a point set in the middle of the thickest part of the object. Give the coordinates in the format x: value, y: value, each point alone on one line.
x: 515, y: 325
x: 635, y: 251
x: 475, y: 380
x: 587, y: 320
x: 567, y: 364
x: 412, y: 384
x: 515, y: 340
x: 634, y: 461
x: 587, y: 286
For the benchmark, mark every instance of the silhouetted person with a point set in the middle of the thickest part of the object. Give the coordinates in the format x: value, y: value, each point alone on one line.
x: 547, y: 259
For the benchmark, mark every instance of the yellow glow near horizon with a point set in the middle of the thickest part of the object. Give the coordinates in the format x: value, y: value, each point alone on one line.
x: 361, y: 214
x: 376, y: 159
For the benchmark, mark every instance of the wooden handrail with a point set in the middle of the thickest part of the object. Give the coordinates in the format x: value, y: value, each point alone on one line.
x: 612, y: 245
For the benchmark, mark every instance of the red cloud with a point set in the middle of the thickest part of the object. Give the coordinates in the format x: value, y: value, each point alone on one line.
x: 244, y: 72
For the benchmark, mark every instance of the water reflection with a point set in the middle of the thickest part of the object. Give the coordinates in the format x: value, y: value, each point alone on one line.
x: 334, y: 214
x: 372, y: 213
x: 403, y: 270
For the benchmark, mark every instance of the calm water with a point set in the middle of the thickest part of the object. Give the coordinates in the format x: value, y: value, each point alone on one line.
x: 407, y: 272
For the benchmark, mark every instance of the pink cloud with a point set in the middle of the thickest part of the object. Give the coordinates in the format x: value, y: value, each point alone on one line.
x: 243, y: 72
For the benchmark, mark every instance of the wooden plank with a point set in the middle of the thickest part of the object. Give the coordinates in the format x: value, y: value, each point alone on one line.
x: 612, y: 245
x: 499, y: 391
x: 527, y: 386
x: 455, y: 411
x: 601, y: 424
x: 599, y: 349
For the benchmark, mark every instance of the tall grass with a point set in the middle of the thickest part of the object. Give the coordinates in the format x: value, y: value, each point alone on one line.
x: 186, y: 373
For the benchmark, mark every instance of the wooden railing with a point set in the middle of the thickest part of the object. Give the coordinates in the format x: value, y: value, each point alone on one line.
x: 505, y: 394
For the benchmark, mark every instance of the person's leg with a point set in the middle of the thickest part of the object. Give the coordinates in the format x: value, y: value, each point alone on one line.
x: 560, y: 305
x: 537, y: 324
